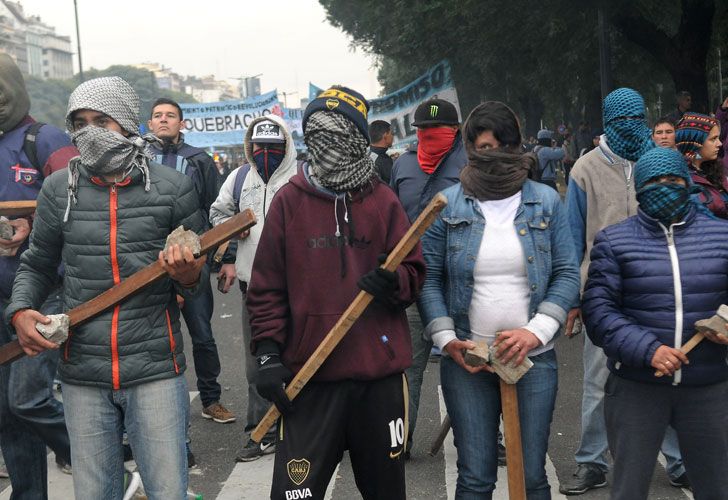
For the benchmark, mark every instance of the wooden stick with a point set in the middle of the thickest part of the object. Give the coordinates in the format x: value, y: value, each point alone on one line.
x: 686, y: 348
x: 138, y: 281
x: 514, y: 448
x: 352, y: 313
x: 17, y: 208
x: 444, y: 429
x: 220, y: 252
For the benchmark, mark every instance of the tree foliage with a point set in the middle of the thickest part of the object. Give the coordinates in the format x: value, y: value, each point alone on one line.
x: 49, y: 98
x: 542, y: 58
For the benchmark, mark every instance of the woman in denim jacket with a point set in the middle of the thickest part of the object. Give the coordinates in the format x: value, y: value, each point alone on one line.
x: 515, y: 276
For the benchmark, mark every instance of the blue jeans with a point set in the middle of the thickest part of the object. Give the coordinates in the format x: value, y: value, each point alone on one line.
x: 420, y: 355
x: 197, y: 313
x: 473, y: 403
x: 31, y: 418
x: 593, y: 445
x: 155, y: 416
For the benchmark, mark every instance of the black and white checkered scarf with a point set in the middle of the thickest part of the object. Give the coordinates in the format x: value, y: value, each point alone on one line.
x: 339, y: 152
x: 105, y: 152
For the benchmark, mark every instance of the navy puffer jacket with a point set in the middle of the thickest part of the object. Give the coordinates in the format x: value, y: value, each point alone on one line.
x: 647, y: 287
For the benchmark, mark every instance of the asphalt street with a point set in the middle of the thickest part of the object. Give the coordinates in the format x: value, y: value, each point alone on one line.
x: 217, y: 476
x: 215, y: 445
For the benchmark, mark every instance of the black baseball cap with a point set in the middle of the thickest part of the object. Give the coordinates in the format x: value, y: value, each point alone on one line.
x: 436, y: 112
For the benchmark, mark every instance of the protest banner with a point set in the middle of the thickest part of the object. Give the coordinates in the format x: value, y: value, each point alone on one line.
x: 224, y: 123
x: 398, y: 108
x: 294, y: 121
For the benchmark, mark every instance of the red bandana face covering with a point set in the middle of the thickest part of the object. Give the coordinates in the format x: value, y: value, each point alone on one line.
x: 434, y: 144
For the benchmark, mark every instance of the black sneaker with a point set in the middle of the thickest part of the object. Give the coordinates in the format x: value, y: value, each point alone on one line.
x: 253, y: 451
x: 128, y: 455
x: 63, y: 466
x: 681, y: 481
x: 586, y: 477
x: 191, y: 462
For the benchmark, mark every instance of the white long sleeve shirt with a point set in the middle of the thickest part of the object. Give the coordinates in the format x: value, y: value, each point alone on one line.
x: 501, y: 292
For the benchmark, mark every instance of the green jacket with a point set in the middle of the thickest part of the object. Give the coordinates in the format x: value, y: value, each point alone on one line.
x: 112, y: 232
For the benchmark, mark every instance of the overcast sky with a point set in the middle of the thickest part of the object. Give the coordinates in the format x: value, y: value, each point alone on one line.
x: 288, y: 41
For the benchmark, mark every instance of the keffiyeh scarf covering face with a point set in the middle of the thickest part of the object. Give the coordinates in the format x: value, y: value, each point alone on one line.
x: 339, y: 152
x: 105, y: 152
x: 666, y: 202
x: 624, y: 124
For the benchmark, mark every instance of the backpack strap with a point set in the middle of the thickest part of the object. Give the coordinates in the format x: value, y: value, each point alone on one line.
x: 181, y: 165
x: 240, y: 176
x: 30, y: 147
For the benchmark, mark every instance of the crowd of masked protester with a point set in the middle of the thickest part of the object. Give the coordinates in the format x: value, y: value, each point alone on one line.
x: 619, y: 232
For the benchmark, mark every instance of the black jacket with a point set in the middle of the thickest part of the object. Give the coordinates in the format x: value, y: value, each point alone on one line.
x: 383, y: 162
x: 195, y: 163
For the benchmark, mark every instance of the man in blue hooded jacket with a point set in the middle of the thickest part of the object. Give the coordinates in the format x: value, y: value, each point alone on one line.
x: 601, y: 193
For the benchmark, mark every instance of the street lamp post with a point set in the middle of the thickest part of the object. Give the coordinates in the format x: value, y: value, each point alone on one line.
x: 245, y: 80
x: 78, y: 40
x: 285, y: 97
x: 605, y: 62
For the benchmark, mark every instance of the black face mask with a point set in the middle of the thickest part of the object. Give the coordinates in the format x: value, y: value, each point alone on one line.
x: 267, y: 160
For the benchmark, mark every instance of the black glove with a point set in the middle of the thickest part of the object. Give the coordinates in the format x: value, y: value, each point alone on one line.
x: 382, y: 284
x: 273, y: 376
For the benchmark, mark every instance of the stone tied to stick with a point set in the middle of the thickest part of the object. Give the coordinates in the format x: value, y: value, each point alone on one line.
x: 481, y: 355
x: 715, y: 324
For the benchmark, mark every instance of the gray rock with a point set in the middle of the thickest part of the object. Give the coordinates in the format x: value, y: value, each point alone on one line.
x: 55, y: 331
x: 723, y: 312
x: 184, y: 238
x: 714, y: 324
x: 6, y: 233
x: 6, y: 230
x: 480, y: 356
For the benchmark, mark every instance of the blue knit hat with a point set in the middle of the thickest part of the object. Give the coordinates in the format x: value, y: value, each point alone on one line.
x: 346, y: 101
x: 659, y: 162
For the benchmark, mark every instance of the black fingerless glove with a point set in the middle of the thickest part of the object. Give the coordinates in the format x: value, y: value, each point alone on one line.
x: 273, y: 376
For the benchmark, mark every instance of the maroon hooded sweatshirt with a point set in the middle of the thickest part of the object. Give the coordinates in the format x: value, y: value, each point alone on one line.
x: 304, y: 277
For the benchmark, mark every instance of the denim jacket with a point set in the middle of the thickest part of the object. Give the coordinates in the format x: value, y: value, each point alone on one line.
x: 450, y: 247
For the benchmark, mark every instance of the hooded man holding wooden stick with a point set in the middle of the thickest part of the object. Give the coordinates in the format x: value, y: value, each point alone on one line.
x: 325, y: 235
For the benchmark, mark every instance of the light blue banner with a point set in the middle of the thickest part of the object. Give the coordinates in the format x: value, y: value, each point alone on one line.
x: 224, y: 123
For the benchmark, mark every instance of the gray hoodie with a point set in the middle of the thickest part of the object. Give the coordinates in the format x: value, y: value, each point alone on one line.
x: 255, y: 195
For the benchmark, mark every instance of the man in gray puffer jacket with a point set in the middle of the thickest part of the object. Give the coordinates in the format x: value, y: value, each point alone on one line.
x: 106, y: 217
